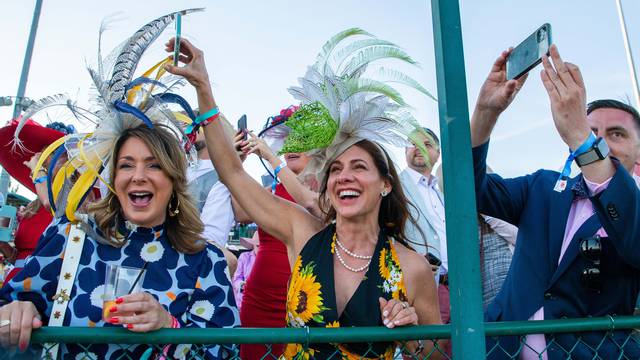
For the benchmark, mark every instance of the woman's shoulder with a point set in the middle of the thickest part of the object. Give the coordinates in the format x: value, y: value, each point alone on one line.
x: 412, y: 263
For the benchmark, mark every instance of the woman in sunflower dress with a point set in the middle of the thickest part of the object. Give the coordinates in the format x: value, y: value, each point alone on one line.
x: 186, y: 283
x: 359, y: 270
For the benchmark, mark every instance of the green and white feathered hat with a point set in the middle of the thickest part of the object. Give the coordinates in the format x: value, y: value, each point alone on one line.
x: 345, y: 99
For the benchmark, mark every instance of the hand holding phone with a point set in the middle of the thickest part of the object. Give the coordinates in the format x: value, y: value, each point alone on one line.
x: 528, y: 54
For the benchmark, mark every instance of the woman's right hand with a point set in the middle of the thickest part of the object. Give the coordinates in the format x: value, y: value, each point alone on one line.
x: 17, y: 320
x: 195, y: 70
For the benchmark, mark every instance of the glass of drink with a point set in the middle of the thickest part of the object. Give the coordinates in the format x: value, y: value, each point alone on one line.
x: 119, y: 281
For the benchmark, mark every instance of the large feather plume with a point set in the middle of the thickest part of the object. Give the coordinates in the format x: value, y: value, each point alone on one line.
x: 89, y: 154
x: 128, y: 59
x: 360, y: 106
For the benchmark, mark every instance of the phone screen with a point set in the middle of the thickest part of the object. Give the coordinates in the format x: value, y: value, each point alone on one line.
x: 528, y: 54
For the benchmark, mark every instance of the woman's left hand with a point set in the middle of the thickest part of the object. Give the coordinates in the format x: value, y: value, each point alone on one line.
x: 397, y: 313
x: 140, y: 312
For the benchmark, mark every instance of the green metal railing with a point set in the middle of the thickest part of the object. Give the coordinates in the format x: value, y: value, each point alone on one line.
x: 199, y: 338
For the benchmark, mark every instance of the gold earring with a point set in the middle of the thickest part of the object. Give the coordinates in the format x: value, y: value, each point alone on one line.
x: 176, y: 210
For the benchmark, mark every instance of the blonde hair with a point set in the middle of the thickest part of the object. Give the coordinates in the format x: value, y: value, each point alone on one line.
x: 184, y: 230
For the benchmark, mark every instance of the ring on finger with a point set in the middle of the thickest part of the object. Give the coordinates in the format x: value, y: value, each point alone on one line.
x: 405, y: 305
x: 4, y: 323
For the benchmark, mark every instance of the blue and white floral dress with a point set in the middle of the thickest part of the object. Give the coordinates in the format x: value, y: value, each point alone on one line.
x: 194, y: 288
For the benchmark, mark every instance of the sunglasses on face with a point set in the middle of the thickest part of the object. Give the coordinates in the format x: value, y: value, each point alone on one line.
x: 591, y: 249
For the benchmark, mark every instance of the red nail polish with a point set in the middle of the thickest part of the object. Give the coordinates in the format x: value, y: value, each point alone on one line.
x: 119, y: 301
x: 114, y: 320
x: 23, y: 346
x: 129, y: 326
x: 113, y: 309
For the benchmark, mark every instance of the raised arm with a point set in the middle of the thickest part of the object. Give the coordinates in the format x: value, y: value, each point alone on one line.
x: 274, y: 215
x: 300, y: 193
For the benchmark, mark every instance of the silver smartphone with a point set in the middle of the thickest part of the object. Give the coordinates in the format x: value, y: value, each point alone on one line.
x: 528, y: 54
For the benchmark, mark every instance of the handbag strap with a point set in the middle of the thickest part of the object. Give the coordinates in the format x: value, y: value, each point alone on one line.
x: 72, y: 253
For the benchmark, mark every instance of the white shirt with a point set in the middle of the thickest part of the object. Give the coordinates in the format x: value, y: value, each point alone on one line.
x: 217, y: 213
x: 202, y: 167
x: 434, y: 208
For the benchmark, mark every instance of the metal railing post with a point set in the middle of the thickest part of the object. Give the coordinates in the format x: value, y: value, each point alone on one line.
x: 462, y: 229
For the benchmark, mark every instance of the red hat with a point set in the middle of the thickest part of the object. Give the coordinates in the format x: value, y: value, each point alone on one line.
x: 35, y: 138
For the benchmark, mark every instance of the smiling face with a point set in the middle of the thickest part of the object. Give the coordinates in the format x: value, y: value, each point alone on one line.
x: 142, y: 187
x: 620, y: 131
x: 354, y: 184
x: 296, y: 162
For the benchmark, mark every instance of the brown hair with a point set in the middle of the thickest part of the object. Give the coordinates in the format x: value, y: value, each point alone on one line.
x: 394, y: 208
x: 184, y: 231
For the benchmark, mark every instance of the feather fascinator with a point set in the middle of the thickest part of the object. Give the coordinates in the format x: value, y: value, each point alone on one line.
x: 345, y: 98
x: 119, y: 102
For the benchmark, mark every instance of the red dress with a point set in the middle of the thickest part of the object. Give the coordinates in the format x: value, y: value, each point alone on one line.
x: 265, y: 292
x: 27, y: 235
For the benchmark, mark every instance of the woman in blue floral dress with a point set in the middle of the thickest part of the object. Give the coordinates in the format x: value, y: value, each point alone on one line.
x: 146, y: 221
x: 186, y: 282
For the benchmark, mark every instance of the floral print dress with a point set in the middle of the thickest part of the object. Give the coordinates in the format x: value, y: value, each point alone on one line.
x: 195, y: 288
x: 311, y: 299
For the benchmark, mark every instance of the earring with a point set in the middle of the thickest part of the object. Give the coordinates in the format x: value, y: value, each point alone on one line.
x: 176, y: 210
x: 384, y: 193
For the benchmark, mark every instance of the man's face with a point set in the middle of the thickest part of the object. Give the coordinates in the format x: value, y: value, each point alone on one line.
x: 620, y: 132
x: 200, y: 141
x: 414, y: 157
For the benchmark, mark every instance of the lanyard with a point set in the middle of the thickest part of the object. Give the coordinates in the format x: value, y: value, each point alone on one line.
x: 561, y: 183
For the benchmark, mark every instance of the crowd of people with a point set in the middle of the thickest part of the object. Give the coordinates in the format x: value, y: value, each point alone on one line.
x: 344, y: 239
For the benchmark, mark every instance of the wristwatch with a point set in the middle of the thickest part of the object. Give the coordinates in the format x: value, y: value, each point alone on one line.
x: 598, y: 151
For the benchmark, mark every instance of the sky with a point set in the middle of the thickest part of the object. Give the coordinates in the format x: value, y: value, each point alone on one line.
x: 256, y: 49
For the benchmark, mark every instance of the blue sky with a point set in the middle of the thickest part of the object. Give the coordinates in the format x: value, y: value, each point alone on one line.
x: 256, y: 49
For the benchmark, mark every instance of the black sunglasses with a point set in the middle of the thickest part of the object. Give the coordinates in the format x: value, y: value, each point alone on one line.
x: 591, y: 249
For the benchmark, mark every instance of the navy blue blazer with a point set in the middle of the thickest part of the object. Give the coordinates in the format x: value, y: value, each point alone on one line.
x: 535, y: 279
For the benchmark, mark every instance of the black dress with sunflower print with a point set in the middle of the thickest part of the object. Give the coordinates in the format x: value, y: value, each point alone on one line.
x: 311, y: 299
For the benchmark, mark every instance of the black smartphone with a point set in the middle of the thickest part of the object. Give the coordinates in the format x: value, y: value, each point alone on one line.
x: 242, y: 126
x: 528, y: 54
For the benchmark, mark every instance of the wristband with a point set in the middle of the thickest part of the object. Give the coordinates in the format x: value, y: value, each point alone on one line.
x: 203, y: 119
x: 561, y: 183
x: 276, y: 171
x: 41, y: 179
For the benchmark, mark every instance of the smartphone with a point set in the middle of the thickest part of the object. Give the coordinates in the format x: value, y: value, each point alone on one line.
x: 242, y: 126
x: 176, y: 48
x: 528, y: 54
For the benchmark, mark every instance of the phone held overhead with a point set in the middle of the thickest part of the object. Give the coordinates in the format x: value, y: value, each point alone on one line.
x: 242, y: 126
x: 528, y: 54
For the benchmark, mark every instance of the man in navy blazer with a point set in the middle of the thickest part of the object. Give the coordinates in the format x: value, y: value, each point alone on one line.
x: 578, y: 247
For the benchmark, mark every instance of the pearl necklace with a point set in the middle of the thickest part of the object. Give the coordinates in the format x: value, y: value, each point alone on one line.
x: 355, y: 270
x: 354, y: 255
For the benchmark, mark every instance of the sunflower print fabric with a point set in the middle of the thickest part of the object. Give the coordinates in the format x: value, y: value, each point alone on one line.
x: 311, y: 298
x: 194, y: 288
